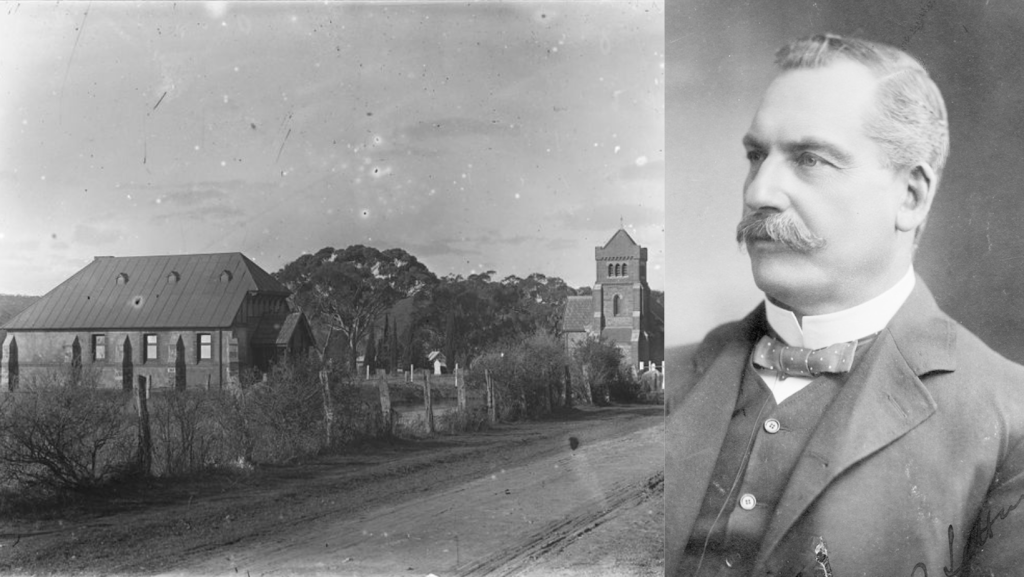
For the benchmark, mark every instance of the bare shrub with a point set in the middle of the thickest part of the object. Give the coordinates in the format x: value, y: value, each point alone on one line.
x: 275, y: 417
x: 452, y: 422
x: 66, y: 433
x: 186, y: 438
x: 527, y: 376
x: 357, y: 411
x: 651, y: 391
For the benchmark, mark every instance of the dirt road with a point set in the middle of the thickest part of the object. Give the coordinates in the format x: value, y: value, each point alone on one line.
x: 514, y: 500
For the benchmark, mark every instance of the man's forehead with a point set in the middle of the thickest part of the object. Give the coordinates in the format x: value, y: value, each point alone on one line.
x: 826, y: 103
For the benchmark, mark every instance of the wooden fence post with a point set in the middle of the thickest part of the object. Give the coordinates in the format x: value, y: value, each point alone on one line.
x: 460, y: 388
x: 385, y: 404
x: 568, y: 388
x: 549, y: 390
x: 325, y: 388
x: 428, y: 402
x: 491, y: 413
x: 145, y: 454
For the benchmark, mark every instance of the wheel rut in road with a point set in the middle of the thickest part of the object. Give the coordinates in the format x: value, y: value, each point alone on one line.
x: 557, y: 535
x: 496, y: 524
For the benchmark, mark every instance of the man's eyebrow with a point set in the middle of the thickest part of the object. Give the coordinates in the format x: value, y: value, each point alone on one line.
x: 750, y: 141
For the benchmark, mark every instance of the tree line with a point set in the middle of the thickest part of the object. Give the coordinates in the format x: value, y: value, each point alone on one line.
x: 391, y: 307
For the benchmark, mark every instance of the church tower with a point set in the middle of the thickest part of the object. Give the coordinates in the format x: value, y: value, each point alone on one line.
x: 621, y: 299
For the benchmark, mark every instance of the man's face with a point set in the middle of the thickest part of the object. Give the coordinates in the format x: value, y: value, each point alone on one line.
x: 812, y: 162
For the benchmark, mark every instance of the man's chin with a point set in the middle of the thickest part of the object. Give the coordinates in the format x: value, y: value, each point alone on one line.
x: 774, y: 265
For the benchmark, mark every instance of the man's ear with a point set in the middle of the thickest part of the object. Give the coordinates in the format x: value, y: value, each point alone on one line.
x: 917, y: 198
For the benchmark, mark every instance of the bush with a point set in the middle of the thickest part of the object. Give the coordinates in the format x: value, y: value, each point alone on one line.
x: 65, y: 433
x: 624, y: 388
x: 651, y: 388
x: 357, y: 412
x: 599, y: 374
x: 186, y: 438
x: 60, y: 436
x: 275, y: 417
x: 456, y: 422
x: 527, y: 376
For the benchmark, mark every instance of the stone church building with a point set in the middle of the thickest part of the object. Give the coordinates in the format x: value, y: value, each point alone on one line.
x: 620, y: 309
x: 185, y: 321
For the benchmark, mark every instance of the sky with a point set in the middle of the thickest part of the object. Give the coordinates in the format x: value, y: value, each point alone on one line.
x: 503, y: 136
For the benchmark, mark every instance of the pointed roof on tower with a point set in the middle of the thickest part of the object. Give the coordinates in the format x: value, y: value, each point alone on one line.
x: 620, y: 246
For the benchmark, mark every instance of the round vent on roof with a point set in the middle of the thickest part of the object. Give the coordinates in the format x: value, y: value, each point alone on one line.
x: 225, y: 276
x: 122, y: 278
x: 173, y: 277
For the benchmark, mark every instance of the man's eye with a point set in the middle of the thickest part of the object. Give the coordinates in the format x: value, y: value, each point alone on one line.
x: 755, y: 155
x: 808, y: 159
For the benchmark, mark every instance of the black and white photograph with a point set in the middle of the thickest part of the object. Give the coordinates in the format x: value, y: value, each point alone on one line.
x: 363, y: 288
x: 844, y: 394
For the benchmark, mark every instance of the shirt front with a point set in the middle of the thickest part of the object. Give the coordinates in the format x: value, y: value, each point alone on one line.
x: 819, y: 331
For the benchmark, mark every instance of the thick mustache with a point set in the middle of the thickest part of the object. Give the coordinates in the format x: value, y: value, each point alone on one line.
x: 778, y: 227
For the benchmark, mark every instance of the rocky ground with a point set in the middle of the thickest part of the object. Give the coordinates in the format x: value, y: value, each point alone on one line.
x: 513, y: 500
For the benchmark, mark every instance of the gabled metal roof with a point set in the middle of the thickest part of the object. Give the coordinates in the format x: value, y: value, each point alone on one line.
x: 579, y: 314
x: 139, y: 292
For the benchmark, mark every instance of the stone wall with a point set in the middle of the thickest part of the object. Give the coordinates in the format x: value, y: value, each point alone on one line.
x: 41, y: 353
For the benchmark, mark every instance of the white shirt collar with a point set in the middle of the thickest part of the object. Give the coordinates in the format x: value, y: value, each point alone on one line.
x: 846, y: 325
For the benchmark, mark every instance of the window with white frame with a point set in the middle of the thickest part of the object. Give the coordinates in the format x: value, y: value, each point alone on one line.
x: 149, y: 351
x: 99, y: 347
x: 205, y: 342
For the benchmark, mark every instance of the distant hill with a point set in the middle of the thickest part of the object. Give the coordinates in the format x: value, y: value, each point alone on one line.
x: 12, y: 305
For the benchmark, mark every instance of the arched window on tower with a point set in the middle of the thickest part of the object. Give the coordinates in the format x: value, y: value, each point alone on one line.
x: 624, y: 273
x: 616, y: 305
x: 609, y: 269
x: 617, y: 269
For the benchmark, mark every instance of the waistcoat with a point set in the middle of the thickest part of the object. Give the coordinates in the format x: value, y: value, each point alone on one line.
x: 763, y: 443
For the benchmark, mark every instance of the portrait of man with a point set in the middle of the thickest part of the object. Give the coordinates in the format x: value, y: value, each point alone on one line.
x: 847, y: 425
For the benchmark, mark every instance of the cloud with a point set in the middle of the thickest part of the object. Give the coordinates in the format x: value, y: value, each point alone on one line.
x: 197, y: 195
x: 642, y: 169
x: 454, y: 127
x: 597, y: 218
x: 560, y: 244
x: 20, y: 246
x: 470, y: 244
x: 198, y: 202
x: 89, y: 235
x: 201, y: 214
x: 450, y: 246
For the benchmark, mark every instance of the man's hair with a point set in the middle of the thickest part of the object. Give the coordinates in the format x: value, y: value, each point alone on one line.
x: 910, y: 124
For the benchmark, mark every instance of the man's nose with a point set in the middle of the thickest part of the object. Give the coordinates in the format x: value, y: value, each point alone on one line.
x: 766, y: 185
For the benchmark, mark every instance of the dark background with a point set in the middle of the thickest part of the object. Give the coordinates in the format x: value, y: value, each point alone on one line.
x: 719, y: 60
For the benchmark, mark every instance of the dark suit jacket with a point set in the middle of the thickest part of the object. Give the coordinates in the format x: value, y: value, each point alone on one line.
x: 917, y: 467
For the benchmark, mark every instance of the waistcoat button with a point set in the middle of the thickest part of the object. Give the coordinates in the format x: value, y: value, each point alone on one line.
x: 772, y: 426
x: 747, y: 501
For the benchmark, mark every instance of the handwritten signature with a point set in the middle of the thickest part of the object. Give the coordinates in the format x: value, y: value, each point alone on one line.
x: 978, y: 536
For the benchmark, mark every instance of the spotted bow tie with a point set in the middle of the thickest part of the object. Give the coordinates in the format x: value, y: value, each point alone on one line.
x: 775, y: 355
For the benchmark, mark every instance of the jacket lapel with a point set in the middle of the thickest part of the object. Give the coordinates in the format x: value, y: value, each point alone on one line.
x: 882, y: 400
x: 697, y: 427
